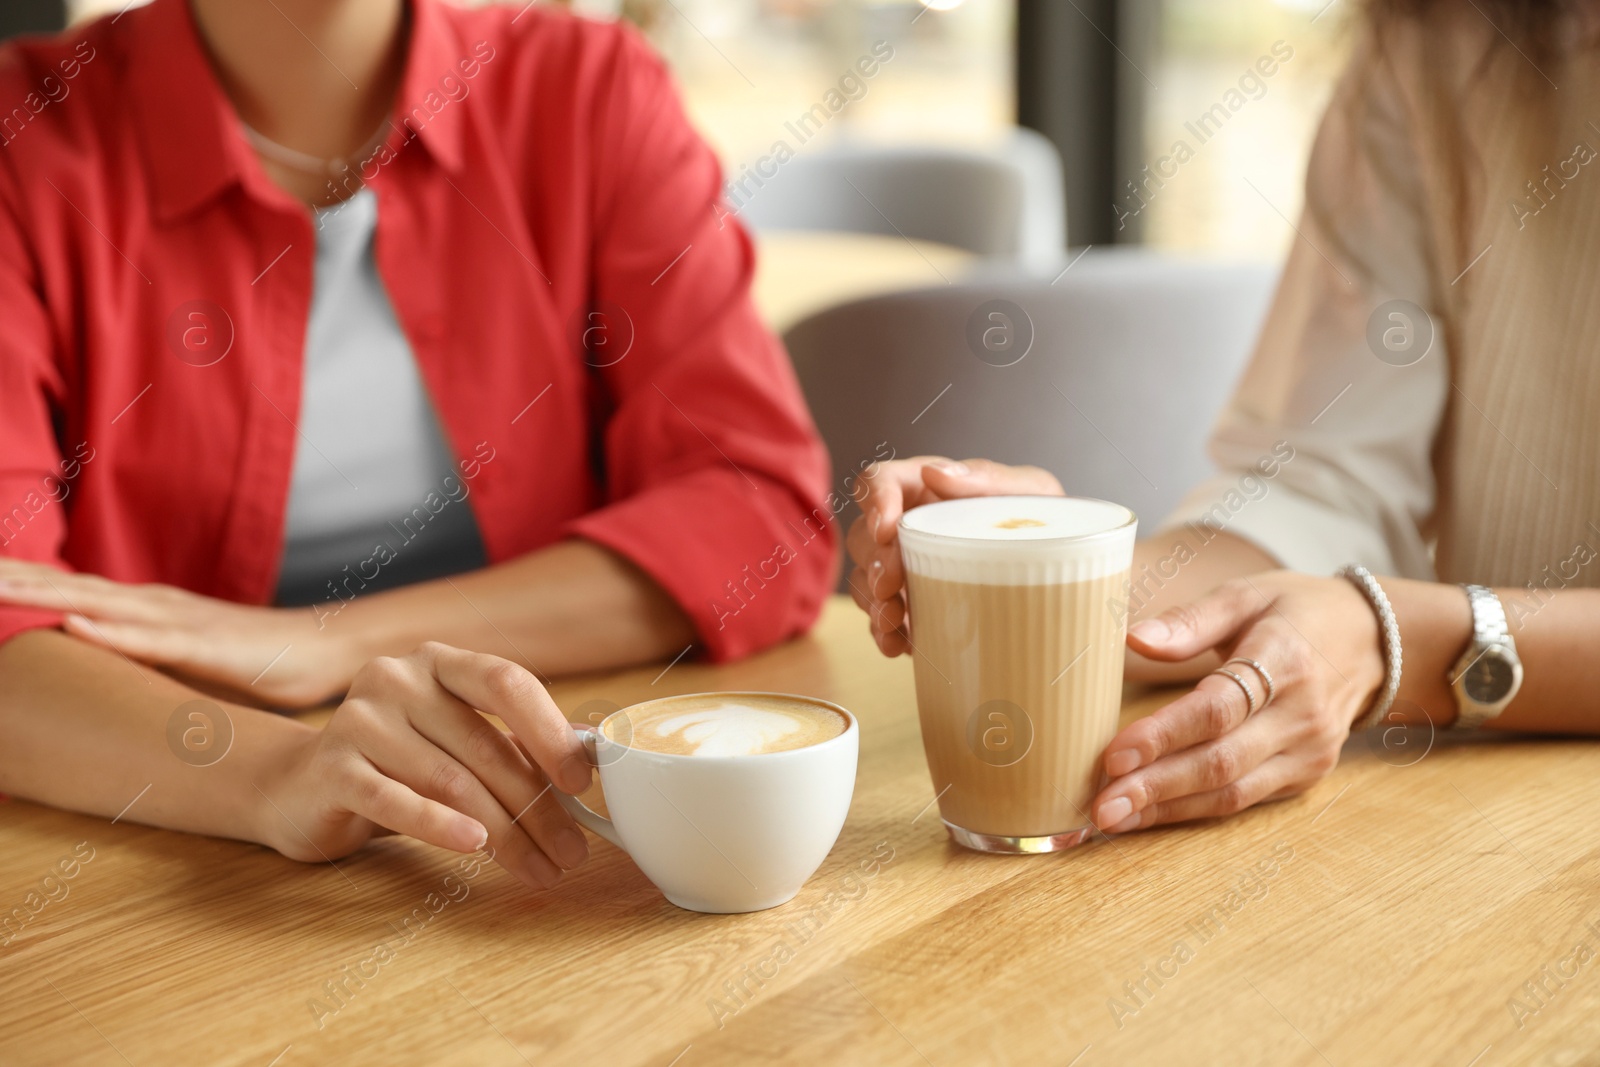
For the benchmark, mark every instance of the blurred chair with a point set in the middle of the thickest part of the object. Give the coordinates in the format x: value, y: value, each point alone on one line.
x: 1005, y: 202
x: 1110, y: 377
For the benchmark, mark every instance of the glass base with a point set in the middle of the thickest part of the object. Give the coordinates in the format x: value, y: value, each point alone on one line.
x: 1017, y: 846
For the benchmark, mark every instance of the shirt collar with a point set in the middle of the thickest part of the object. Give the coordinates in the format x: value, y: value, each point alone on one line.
x: 190, y: 136
x: 181, y: 117
x: 432, y: 69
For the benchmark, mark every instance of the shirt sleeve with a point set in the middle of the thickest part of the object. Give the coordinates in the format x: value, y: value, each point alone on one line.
x: 34, y: 480
x: 1344, y: 394
x: 717, y: 480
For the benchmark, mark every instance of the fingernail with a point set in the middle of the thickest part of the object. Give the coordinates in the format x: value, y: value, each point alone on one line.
x: 1122, y: 761
x: 1114, y: 812
x: 472, y: 835
x: 1130, y: 823
x: 571, y: 848
x: 877, y: 572
x: 538, y: 879
x: 1151, y: 631
x: 954, y: 467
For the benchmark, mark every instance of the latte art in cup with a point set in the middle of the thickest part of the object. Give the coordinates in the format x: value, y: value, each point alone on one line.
x: 725, y: 724
x: 727, y: 801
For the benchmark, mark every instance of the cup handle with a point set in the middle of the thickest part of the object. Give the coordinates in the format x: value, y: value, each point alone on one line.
x: 580, y: 811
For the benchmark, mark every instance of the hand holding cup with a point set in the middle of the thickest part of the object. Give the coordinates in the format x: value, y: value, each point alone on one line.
x: 877, y: 581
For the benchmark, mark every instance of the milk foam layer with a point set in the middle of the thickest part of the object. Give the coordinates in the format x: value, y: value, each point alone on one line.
x: 734, y: 724
x: 1018, y: 540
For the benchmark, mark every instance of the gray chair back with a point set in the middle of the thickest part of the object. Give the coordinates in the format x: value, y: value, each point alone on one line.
x: 1111, y: 377
x: 1005, y: 203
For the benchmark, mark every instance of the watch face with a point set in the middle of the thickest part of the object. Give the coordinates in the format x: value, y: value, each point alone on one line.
x: 1489, y: 678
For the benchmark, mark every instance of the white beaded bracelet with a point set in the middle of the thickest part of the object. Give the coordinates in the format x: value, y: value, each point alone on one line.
x: 1363, y: 580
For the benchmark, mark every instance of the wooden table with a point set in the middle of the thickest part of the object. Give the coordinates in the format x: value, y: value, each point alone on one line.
x: 800, y: 273
x: 1401, y: 910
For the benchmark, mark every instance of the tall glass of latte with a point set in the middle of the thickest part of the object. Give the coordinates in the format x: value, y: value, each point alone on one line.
x: 1018, y: 644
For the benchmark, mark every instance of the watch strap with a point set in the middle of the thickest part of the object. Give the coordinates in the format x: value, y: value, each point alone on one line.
x: 1489, y: 627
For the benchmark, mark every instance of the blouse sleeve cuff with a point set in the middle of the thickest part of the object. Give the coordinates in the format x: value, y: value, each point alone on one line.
x: 744, y: 578
x: 1300, y: 533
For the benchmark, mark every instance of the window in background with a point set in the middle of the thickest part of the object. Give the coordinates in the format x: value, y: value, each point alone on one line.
x: 763, y: 78
x: 747, y: 68
x: 1248, y: 164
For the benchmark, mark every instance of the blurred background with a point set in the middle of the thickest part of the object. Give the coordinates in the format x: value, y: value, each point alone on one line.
x: 1041, y: 231
x: 746, y: 66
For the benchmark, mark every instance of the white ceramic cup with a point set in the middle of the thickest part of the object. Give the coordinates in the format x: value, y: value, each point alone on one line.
x: 723, y: 833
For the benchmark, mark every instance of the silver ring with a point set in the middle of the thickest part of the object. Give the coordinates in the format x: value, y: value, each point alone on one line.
x: 1248, y: 695
x: 1266, y: 679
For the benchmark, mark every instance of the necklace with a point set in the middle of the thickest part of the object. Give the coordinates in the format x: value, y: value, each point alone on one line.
x: 307, y: 163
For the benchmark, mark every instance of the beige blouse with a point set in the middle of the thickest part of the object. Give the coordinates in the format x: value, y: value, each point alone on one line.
x: 1479, y: 460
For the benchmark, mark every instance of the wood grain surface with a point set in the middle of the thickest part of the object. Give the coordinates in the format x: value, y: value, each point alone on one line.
x: 1406, y: 911
x: 799, y: 273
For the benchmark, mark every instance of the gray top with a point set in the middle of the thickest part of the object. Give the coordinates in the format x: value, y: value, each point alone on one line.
x: 376, y: 500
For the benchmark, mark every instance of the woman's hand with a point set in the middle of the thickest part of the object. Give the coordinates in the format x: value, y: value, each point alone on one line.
x: 407, y: 753
x: 273, y: 656
x: 1200, y: 756
x: 878, y: 581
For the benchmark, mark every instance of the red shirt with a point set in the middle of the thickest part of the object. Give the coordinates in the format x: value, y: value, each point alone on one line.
x: 155, y: 284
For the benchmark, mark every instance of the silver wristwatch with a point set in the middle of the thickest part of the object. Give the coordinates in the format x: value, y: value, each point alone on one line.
x: 1488, y: 674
